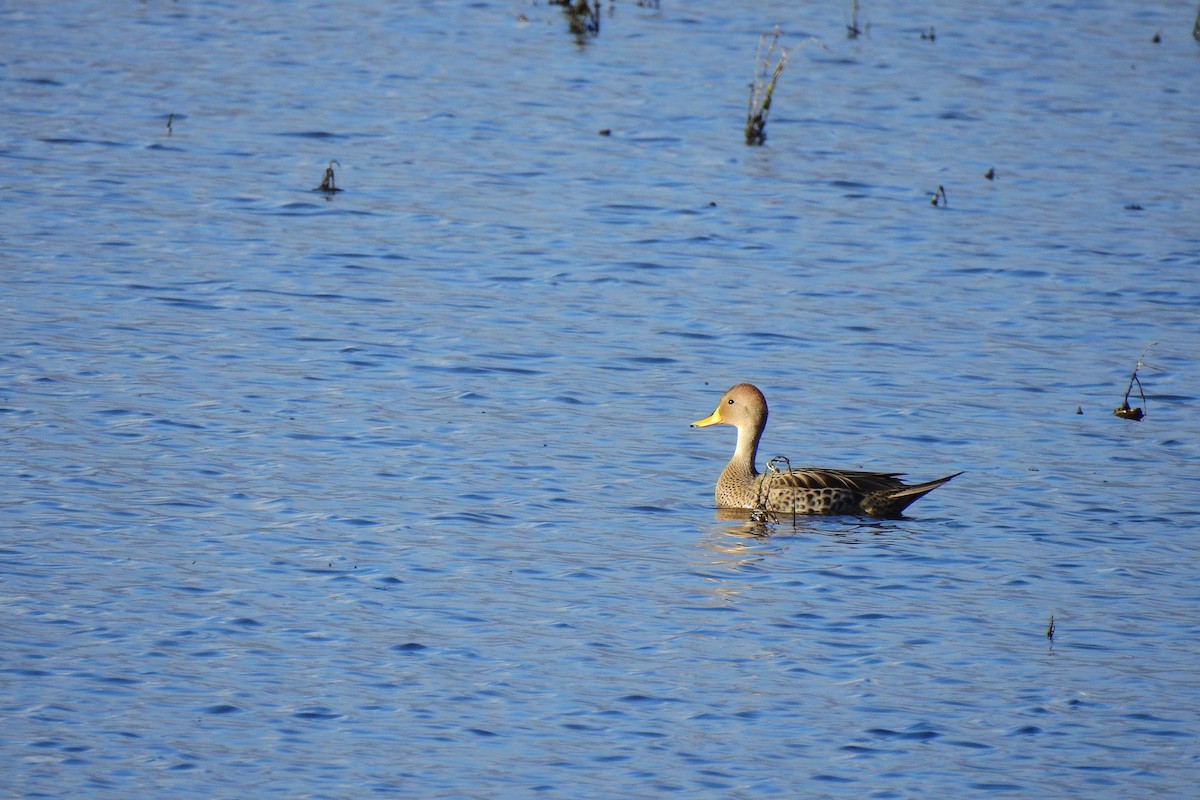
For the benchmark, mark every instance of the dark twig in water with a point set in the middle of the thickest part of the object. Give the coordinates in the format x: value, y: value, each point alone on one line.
x: 327, y: 183
x: 1050, y: 629
x: 1124, y: 411
x: 762, y: 89
x: 931, y: 36
x: 170, y: 119
x: 852, y: 29
x: 777, y: 467
x: 939, y: 197
x: 990, y: 174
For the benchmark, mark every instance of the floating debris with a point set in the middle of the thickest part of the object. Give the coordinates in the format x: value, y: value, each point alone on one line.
x: 939, y: 197
x: 1050, y: 629
x: 990, y: 174
x: 1124, y: 411
x: 1157, y: 37
x: 931, y: 36
x: 170, y: 119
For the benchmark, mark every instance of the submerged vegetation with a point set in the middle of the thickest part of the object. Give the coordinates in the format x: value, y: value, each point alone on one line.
x: 762, y: 88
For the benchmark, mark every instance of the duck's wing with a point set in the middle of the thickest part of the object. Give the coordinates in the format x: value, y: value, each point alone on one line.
x: 822, y: 478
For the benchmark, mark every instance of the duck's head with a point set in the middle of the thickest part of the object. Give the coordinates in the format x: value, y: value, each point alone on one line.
x: 743, y: 407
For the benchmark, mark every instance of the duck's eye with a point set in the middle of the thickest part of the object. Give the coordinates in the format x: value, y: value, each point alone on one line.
x: 731, y: 401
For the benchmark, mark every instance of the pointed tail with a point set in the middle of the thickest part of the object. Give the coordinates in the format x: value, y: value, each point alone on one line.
x: 893, y: 503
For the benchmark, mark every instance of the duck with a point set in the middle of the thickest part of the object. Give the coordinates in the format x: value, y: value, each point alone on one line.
x: 799, y: 490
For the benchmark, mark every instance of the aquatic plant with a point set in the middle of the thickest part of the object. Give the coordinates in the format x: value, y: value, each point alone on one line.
x: 762, y: 89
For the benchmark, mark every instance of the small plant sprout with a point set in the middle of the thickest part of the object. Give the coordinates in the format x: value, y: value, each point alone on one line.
x: 1124, y: 411
x: 762, y: 88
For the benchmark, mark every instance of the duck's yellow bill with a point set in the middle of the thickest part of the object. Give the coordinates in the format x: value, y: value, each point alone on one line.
x: 712, y: 419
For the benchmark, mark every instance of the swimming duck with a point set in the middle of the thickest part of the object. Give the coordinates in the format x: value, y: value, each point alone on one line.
x: 803, y: 490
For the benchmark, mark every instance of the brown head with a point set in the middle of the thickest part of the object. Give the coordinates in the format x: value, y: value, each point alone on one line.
x: 745, y: 408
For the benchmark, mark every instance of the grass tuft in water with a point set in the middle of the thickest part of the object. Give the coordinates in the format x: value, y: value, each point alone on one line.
x: 761, y: 89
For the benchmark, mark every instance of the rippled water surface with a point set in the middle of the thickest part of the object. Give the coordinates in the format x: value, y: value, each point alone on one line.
x: 392, y: 491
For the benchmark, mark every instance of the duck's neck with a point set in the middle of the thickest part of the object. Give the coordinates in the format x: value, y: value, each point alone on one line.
x: 742, y: 463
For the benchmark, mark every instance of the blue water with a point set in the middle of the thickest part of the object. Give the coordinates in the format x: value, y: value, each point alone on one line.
x: 392, y: 491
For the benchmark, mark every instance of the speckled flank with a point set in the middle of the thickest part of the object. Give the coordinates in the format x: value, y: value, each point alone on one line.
x: 813, y: 501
